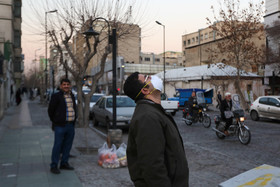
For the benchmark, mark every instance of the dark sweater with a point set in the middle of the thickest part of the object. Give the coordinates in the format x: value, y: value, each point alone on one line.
x: 57, y: 109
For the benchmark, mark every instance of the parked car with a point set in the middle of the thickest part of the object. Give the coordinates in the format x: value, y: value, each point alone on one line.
x: 265, y: 107
x: 169, y: 106
x: 102, y: 111
x: 94, y: 98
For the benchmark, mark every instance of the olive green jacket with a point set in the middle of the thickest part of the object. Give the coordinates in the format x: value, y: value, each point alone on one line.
x: 155, y: 150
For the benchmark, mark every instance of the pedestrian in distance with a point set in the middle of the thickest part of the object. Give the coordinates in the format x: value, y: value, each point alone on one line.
x: 62, y: 113
x: 18, y: 96
x: 219, y: 99
x: 155, y: 150
x: 226, y: 113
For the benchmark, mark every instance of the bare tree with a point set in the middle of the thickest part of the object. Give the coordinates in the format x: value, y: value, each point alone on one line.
x: 238, y: 32
x: 66, y: 27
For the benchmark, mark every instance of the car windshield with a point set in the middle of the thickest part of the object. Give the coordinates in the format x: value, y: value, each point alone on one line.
x: 94, y: 98
x: 121, y: 102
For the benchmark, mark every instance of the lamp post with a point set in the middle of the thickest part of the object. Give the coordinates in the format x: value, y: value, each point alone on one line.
x: 46, y: 46
x: 112, y: 39
x: 35, y: 66
x: 163, y: 54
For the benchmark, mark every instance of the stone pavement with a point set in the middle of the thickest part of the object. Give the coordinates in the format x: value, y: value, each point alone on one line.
x: 26, y: 141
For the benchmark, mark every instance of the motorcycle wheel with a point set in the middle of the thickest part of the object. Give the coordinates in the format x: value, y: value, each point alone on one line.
x: 188, y: 121
x: 219, y: 135
x: 244, y: 135
x: 206, y: 121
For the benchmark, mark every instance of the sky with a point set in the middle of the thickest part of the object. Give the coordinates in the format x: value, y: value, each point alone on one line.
x: 179, y: 17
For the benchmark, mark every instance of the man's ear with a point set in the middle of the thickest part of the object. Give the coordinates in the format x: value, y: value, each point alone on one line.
x: 145, y: 91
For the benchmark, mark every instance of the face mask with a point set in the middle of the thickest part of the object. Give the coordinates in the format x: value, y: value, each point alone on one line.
x: 156, y: 82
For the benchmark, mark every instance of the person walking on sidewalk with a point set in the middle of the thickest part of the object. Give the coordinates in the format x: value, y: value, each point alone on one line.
x: 219, y: 99
x: 62, y: 113
x: 155, y: 150
x: 18, y: 96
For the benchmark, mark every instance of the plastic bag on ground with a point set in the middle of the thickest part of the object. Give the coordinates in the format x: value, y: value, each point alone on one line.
x: 107, y: 157
x: 121, y: 153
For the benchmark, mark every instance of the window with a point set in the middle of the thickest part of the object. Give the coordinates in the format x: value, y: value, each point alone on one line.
x: 185, y: 43
x: 196, y: 38
x: 192, y: 40
x: 206, y: 36
x: 17, y: 37
x: 17, y: 9
x: 273, y: 102
x: 189, y: 42
x: 263, y: 100
x: 147, y: 59
x: 201, y: 37
x: 211, y: 34
x: 157, y: 59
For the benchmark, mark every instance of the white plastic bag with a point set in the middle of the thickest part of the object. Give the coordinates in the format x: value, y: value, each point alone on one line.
x: 107, y: 157
x: 121, y: 153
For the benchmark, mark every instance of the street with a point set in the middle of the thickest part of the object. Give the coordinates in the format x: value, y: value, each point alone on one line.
x: 212, y: 161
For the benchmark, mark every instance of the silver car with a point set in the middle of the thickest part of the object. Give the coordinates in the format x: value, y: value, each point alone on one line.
x: 265, y: 107
x: 102, y: 111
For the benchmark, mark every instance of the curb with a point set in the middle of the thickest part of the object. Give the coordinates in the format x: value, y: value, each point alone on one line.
x: 101, y: 134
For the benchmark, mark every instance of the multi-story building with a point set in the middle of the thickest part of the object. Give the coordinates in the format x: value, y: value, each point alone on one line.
x: 197, y: 48
x: 272, y: 21
x: 172, y: 58
x: 129, y: 60
x: 11, y: 58
x: 128, y: 47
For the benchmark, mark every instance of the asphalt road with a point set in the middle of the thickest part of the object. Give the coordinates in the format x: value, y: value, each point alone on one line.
x: 212, y: 161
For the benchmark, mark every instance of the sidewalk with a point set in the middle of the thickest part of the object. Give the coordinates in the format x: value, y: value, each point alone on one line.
x: 26, y: 141
x: 25, y: 152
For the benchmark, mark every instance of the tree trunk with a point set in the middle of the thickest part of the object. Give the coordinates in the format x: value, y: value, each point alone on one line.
x: 239, y: 92
x: 80, y: 104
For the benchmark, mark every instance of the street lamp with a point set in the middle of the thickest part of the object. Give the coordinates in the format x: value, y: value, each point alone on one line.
x: 35, y: 67
x: 112, y: 39
x: 46, y: 46
x: 163, y: 54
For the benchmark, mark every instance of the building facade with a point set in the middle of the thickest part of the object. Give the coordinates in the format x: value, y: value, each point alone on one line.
x: 172, y: 58
x: 11, y: 58
x: 213, y: 77
x: 272, y: 71
x: 197, y: 47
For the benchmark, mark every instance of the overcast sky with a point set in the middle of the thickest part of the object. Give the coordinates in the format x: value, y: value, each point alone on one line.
x: 179, y: 17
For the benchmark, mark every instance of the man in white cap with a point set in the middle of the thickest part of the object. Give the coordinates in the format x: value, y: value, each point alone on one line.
x: 226, y: 106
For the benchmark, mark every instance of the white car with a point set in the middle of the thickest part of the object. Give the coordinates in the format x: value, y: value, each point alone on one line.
x: 94, y: 98
x: 102, y: 111
x: 265, y: 107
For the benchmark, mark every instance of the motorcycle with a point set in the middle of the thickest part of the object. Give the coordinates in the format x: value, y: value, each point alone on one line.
x: 238, y: 128
x: 199, y: 112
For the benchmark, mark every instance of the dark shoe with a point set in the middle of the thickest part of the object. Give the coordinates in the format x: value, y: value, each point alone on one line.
x: 55, y: 170
x: 72, y: 156
x: 66, y: 167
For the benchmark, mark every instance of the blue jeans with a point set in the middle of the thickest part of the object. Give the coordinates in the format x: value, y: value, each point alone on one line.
x: 63, y: 140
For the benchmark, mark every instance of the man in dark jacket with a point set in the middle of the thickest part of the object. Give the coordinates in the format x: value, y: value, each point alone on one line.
x: 226, y: 106
x: 219, y: 99
x: 155, y: 150
x: 192, y: 102
x: 62, y: 113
